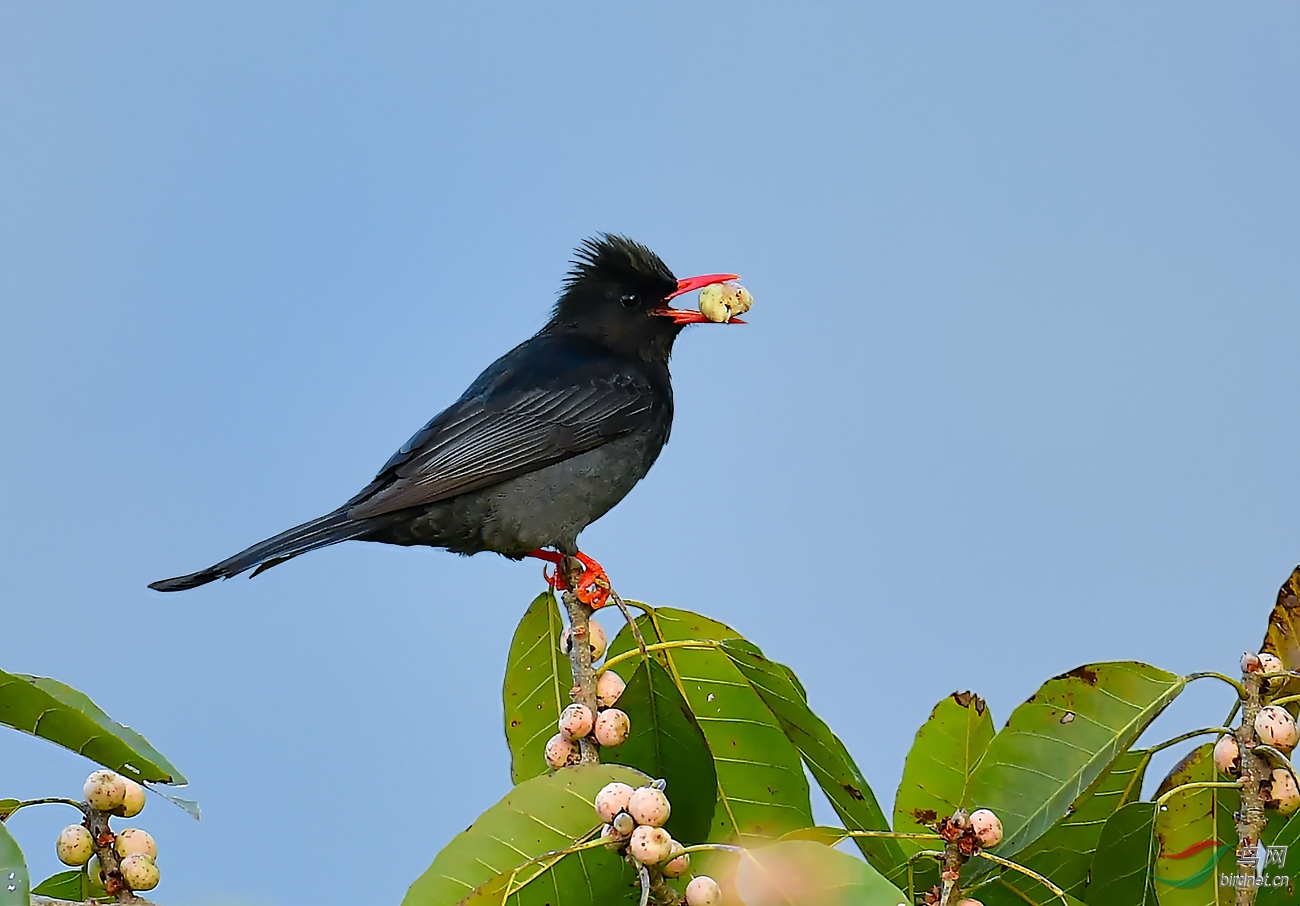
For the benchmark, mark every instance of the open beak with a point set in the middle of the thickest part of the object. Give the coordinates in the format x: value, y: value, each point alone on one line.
x: 690, y: 285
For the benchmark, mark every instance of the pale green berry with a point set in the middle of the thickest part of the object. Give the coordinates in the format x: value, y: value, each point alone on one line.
x: 133, y: 801
x: 75, y: 846
x: 132, y: 840
x: 139, y: 872
x: 105, y: 790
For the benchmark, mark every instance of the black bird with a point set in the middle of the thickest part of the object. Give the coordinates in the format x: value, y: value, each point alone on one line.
x: 546, y: 440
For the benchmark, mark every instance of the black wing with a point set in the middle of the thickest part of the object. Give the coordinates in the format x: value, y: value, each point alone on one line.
x: 539, y: 405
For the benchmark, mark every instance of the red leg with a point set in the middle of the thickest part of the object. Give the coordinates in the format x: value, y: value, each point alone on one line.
x: 593, y: 585
x: 555, y: 579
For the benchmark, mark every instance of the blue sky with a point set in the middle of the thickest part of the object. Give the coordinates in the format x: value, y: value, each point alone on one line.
x: 1018, y: 391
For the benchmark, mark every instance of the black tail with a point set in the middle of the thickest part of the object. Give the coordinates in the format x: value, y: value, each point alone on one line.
x: 328, y: 529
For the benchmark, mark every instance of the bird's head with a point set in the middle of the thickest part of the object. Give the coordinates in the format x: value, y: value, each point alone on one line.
x: 618, y: 293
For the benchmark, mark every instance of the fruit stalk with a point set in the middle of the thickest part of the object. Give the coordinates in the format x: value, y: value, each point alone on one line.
x: 584, y: 676
x: 97, y: 822
x: 1254, y: 771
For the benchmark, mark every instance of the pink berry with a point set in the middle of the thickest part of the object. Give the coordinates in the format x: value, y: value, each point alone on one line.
x: 703, y: 891
x: 1286, y: 796
x: 1270, y: 663
x: 576, y: 721
x: 650, y: 845
x: 649, y: 806
x: 987, y: 827
x: 1227, y: 756
x: 612, y: 799
x: 677, y: 865
x: 1276, y: 728
x: 612, y: 727
x: 608, y: 688
x: 596, y: 640
x: 560, y: 751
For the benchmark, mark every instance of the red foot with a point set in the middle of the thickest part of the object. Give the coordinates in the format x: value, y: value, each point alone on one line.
x: 593, y: 585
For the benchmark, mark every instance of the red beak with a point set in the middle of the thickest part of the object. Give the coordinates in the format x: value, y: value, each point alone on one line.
x: 689, y: 285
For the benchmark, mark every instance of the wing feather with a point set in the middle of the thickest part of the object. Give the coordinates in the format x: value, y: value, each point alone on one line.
x: 481, y: 441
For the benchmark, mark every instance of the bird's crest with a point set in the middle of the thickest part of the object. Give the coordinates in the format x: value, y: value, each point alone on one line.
x: 609, y: 258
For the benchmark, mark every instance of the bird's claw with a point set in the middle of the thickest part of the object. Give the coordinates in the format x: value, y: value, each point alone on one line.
x: 554, y: 579
x: 593, y: 585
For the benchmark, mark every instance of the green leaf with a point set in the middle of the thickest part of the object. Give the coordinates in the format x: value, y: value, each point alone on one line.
x: 536, y: 688
x: 826, y: 756
x: 8, y: 807
x: 938, y: 768
x: 1064, y: 854
x: 189, y: 806
x: 762, y: 790
x: 1196, y: 833
x: 52, y: 710
x: 666, y: 742
x: 14, y: 883
x: 538, y: 816
x: 1126, y: 854
x: 66, y: 885
x: 1283, y: 635
x: 803, y: 873
x: 1288, y: 894
x: 1005, y: 890
x: 1059, y: 742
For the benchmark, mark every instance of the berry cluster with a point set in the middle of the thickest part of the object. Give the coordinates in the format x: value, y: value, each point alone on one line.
x: 634, y: 824
x: 969, y: 832
x: 1275, y: 727
x: 608, y: 727
x: 110, y: 792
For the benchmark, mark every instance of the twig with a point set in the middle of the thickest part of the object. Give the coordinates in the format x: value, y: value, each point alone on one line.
x: 659, y: 646
x: 584, y: 677
x: 51, y: 800
x: 710, y: 847
x: 555, y: 855
x: 1191, y: 734
x: 643, y: 875
x: 950, y: 874
x: 1254, y: 772
x: 1210, y: 674
x: 103, y: 837
x: 1200, y: 785
x: 1016, y: 866
x: 38, y: 900
x: 631, y: 622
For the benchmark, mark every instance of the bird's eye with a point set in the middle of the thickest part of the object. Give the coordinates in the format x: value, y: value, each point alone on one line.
x: 630, y: 300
